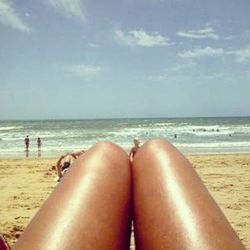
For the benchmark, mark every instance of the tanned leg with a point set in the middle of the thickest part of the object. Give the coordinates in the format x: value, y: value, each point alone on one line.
x: 90, y: 208
x: 172, y: 207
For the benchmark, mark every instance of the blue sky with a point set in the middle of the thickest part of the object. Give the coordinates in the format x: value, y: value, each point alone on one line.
x: 123, y: 58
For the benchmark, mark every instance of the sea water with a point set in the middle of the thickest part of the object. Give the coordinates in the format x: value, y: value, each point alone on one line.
x: 190, y: 135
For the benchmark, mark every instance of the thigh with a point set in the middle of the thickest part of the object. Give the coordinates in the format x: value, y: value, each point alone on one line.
x: 89, y: 209
x: 172, y: 207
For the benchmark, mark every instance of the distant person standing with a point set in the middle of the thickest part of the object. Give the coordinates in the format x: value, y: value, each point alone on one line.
x: 27, y: 142
x: 134, y: 150
x: 39, y: 143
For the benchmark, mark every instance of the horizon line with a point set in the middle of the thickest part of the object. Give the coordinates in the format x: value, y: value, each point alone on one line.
x: 121, y: 118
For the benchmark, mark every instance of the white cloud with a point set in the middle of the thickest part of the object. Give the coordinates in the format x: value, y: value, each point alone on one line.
x: 86, y: 71
x: 177, y: 72
x: 241, y: 55
x: 184, y: 66
x: 202, y: 52
x: 93, y: 45
x: 231, y: 37
x: 193, y: 75
x: 69, y: 8
x: 205, y: 33
x: 141, y: 38
x: 9, y: 16
x: 166, y: 77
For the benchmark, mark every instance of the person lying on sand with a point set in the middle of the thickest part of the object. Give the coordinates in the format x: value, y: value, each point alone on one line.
x: 134, y: 150
x: 101, y: 195
x: 64, y: 162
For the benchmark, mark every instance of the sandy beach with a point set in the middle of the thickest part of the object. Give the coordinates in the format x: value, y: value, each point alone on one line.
x: 26, y: 183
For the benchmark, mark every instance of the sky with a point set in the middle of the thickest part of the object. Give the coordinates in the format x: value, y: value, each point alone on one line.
x: 87, y: 59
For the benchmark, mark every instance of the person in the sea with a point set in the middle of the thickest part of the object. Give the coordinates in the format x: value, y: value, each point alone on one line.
x: 65, y: 161
x: 39, y: 143
x: 27, y: 142
x: 101, y: 194
x: 134, y: 149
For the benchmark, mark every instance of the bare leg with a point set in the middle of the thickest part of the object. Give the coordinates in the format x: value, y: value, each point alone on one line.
x: 90, y: 208
x: 172, y: 207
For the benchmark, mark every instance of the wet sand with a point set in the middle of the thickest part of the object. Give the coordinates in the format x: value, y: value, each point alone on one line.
x: 26, y: 183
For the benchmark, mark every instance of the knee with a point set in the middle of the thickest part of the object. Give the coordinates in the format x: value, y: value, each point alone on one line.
x: 156, y: 145
x: 153, y: 148
x: 110, y: 148
x: 106, y: 145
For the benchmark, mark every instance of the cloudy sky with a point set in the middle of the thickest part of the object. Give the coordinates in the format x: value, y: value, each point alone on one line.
x: 124, y: 58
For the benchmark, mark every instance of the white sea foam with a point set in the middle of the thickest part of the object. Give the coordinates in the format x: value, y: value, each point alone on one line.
x: 243, y: 144
x: 10, y: 128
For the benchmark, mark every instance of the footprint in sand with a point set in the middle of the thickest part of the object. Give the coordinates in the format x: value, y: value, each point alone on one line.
x: 234, y: 207
x: 243, y: 224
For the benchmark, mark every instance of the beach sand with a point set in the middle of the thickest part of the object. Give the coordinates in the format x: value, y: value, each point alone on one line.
x: 26, y: 183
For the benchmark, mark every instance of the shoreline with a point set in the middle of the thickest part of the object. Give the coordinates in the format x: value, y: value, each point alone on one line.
x: 27, y: 182
x: 187, y: 153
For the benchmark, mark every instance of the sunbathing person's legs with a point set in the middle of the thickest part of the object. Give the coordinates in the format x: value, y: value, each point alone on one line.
x: 90, y: 208
x: 172, y: 207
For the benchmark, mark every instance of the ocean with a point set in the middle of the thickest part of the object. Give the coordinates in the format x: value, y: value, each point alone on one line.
x: 190, y: 135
